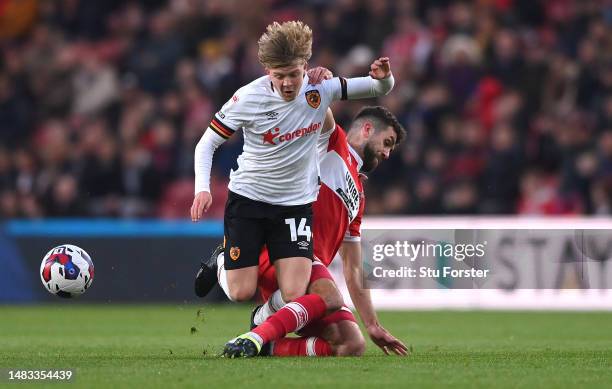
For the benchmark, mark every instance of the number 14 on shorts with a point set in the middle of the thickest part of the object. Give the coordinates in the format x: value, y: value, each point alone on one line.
x: 301, y: 230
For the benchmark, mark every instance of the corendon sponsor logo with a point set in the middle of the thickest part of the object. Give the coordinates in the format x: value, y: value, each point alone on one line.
x: 270, y: 136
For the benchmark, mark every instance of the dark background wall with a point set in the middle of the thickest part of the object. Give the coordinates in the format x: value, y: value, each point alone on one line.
x: 134, y: 261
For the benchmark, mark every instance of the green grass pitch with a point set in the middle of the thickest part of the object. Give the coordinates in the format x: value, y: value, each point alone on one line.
x: 130, y: 346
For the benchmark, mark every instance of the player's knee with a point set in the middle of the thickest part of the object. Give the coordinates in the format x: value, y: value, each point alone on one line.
x: 329, y: 293
x: 333, y: 302
x: 291, y: 294
x: 351, y: 342
x: 357, y: 347
x: 352, y: 348
x: 241, y: 294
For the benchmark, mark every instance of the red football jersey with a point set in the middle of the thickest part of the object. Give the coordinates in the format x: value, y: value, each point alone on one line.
x: 337, y: 212
x: 339, y: 207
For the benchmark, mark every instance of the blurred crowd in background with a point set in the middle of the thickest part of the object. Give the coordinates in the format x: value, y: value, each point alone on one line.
x: 508, y: 103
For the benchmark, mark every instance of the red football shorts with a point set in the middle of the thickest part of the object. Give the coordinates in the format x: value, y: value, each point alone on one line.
x: 266, y: 280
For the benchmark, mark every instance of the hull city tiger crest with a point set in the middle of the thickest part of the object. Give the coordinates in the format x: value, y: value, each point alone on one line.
x: 234, y: 253
x: 313, y: 98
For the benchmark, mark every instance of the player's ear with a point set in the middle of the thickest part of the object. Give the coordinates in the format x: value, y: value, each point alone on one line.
x: 367, y: 129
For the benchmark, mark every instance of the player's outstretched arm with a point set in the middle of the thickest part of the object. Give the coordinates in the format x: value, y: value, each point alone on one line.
x: 351, y: 261
x: 379, y: 82
x: 202, y: 164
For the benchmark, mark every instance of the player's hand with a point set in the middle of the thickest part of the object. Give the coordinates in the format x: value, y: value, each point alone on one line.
x: 387, y: 342
x: 201, y: 203
x: 318, y: 74
x: 380, y: 68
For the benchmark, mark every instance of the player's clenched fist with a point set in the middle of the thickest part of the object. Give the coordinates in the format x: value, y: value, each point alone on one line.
x: 380, y: 68
x: 201, y: 203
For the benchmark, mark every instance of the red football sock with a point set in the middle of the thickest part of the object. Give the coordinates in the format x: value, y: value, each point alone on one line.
x: 301, y: 347
x: 291, y: 317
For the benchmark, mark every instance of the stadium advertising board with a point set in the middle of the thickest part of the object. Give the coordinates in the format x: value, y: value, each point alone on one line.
x: 488, y: 263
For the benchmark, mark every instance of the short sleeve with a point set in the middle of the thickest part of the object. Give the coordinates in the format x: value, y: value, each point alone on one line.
x: 353, y: 232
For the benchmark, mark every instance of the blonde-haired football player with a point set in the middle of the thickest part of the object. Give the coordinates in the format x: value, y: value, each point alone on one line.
x: 270, y: 194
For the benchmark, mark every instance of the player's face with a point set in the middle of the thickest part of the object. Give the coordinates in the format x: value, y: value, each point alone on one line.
x: 288, y: 80
x: 379, y: 147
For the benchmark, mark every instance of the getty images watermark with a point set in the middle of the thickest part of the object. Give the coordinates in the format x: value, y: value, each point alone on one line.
x: 411, y: 251
x: 497, y: 259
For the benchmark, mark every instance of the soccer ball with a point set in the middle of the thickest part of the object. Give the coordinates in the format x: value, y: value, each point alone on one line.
x: 67, y: 271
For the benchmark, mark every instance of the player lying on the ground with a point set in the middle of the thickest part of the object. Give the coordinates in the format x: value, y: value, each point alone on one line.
x: 270, y: 194
x: 337, y: 220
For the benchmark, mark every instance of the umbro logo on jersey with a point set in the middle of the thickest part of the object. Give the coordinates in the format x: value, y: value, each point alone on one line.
x: 303, y: 245
x: 271, y: 115
x: 313, y: 98
x: 270, y: 136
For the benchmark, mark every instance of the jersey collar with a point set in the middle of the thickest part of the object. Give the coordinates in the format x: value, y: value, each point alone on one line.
x: 357, y: 157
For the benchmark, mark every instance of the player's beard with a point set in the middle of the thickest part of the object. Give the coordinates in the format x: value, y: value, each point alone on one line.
x: 370, y: 160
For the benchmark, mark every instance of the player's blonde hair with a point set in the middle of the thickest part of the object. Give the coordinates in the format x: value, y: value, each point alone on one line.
x: 285, y: 44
